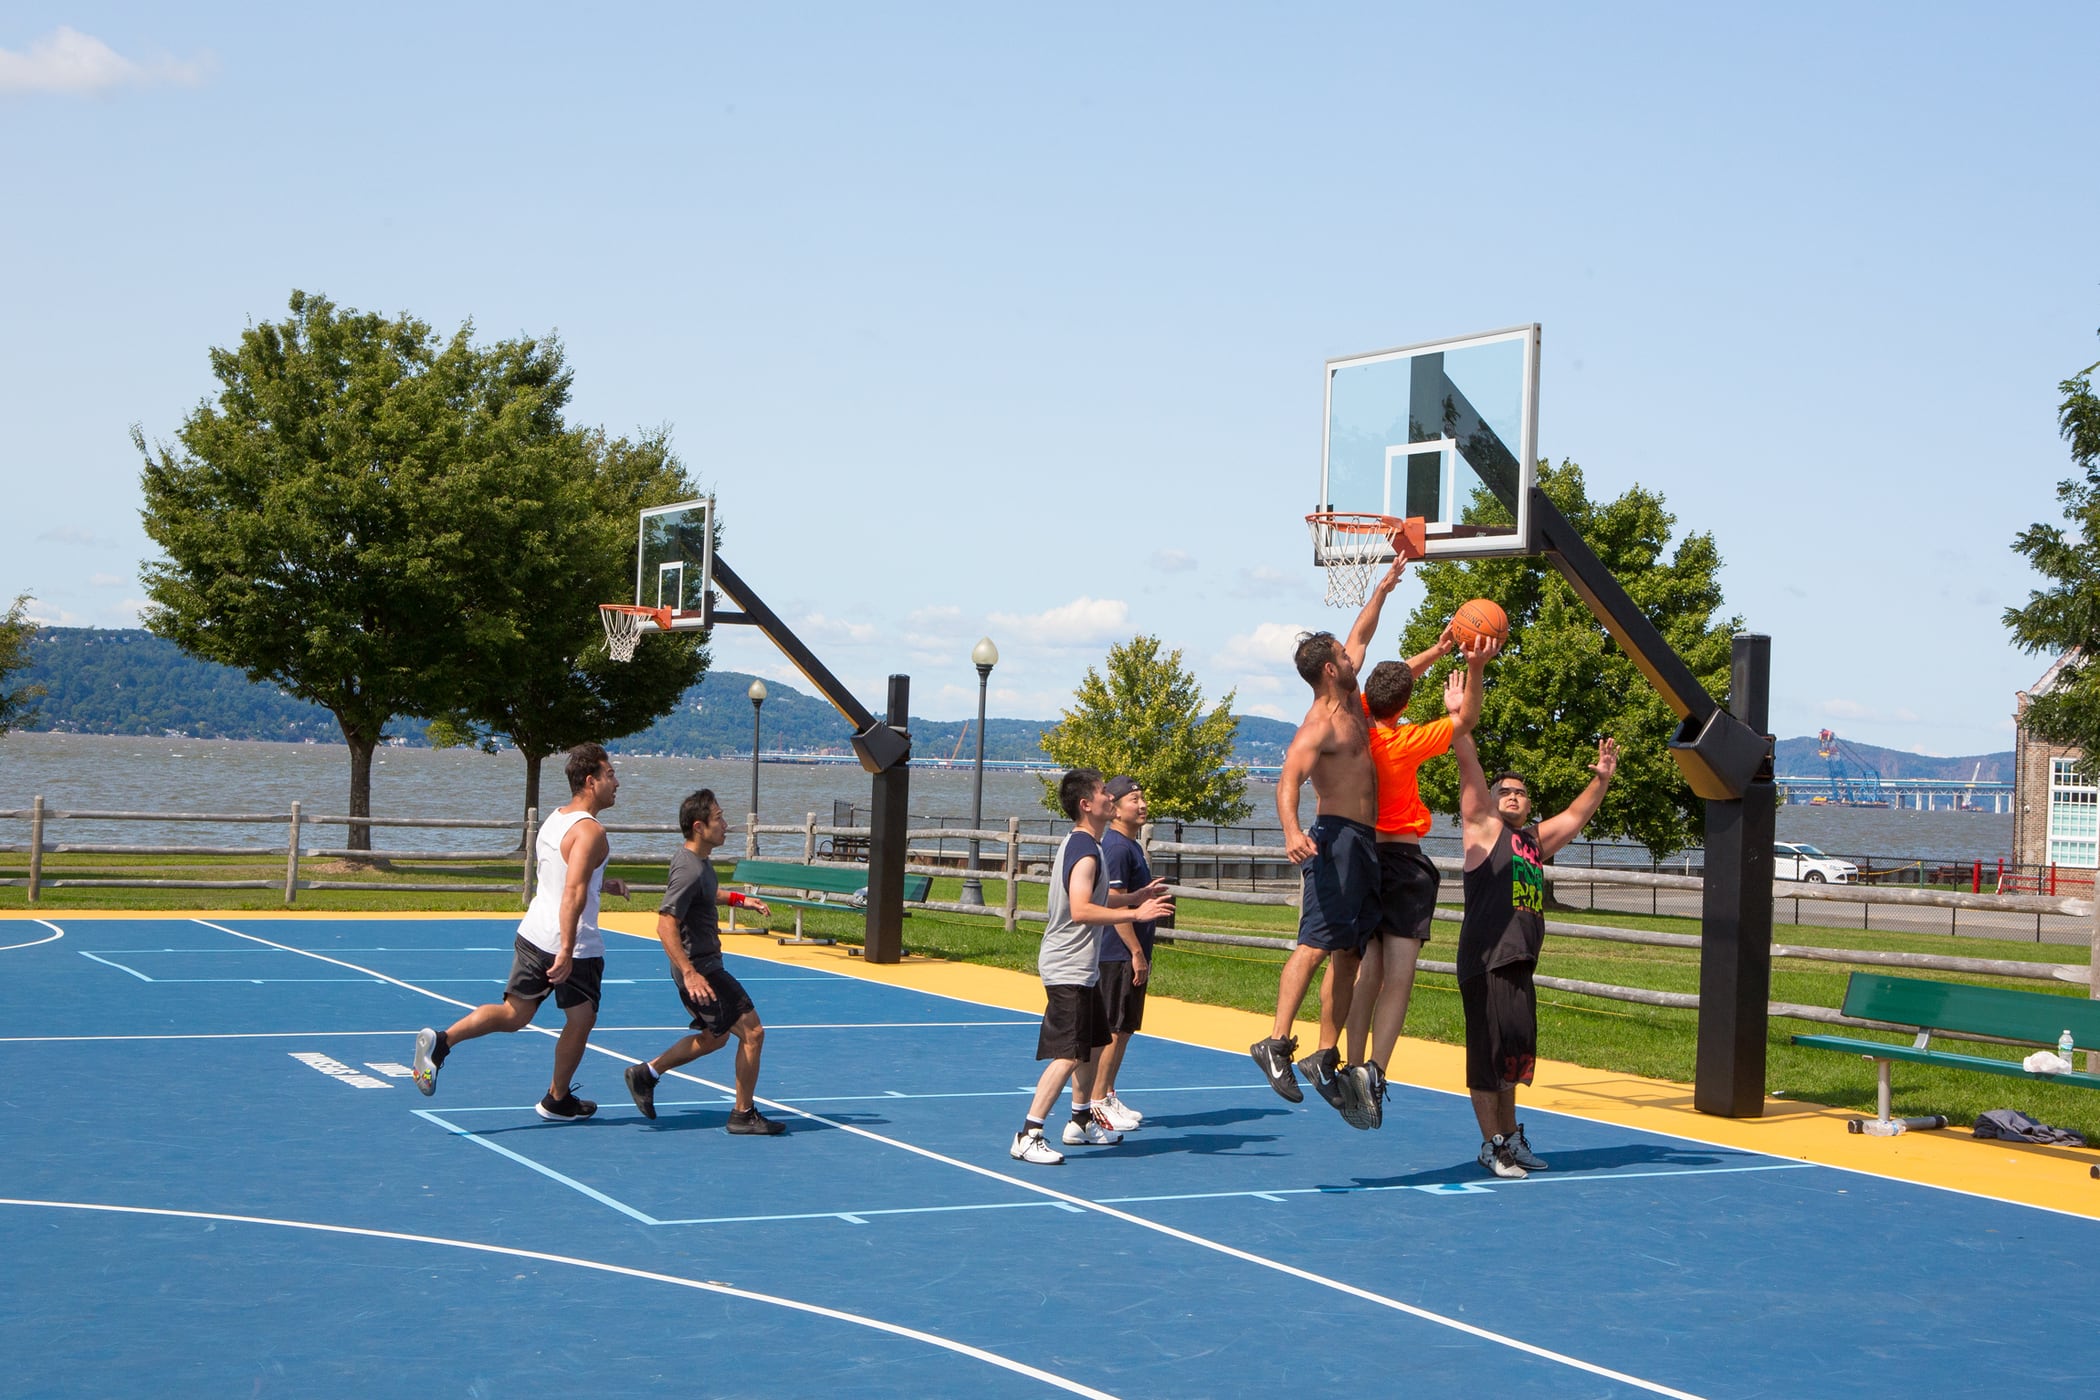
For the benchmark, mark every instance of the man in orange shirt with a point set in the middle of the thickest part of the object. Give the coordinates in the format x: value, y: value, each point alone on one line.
x: 1408, y: 882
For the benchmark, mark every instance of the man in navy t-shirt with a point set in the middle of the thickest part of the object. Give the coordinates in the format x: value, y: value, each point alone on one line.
x: 1126, y: 949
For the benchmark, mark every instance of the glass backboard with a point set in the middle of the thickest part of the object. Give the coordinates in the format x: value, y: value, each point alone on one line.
x: 674, y: 563
x: 1447, y: 431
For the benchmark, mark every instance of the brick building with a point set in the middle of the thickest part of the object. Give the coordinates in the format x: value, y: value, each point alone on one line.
x: 2056, y: 810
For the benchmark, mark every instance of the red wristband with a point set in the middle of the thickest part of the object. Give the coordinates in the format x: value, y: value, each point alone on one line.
x: 737, y: 899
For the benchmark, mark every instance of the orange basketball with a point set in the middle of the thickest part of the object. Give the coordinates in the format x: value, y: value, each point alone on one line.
x: 1483, y: 617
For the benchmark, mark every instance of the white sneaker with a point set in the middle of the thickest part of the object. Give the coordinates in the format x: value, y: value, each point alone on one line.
x: 1117, y: 1114
x: 1497, y: 1158
x: 1092, y: 1134
x: 1030, y: 1147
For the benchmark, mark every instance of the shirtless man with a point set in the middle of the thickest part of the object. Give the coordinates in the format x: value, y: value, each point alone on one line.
x: 1339, y: 907
x: 1498, y: 944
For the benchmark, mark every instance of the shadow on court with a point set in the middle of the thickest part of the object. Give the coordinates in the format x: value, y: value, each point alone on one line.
x: 1574, y: 1163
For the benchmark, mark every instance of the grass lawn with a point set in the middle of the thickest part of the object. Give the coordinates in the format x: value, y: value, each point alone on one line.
x: 1653, y: 1041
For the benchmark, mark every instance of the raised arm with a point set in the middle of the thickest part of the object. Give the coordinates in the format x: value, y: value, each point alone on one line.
x: 1366, y: 627
x: 1556, y: 832
x: 1476, y: 810
x: 1442, y: 647
x: 1469, y: 686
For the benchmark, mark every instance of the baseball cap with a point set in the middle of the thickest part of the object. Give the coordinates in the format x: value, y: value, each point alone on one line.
x: 1120, y: 787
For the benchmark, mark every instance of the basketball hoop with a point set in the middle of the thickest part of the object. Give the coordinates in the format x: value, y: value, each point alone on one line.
x: 1352, y: 547
x: 623, y: 626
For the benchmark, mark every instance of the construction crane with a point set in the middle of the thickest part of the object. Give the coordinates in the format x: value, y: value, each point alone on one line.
x: 1853, y: 781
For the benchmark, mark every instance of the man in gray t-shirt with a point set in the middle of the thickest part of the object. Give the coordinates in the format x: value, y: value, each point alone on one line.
x: 692, y: 939
x: 1074, y: 1023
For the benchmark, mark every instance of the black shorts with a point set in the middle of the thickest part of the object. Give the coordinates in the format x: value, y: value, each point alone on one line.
x: 1338, y: 907
x: 528, y: 977
x: 1502, y: 1027
x: 1074, y: 1024
x: 718, y: 1016
x: 1122, y: 1001
x: 1407, y: 886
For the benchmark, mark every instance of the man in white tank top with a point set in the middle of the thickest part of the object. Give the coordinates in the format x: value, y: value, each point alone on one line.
x: 559, y: 950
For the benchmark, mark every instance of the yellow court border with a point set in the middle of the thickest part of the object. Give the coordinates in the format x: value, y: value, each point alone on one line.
x: 2052, y: 1178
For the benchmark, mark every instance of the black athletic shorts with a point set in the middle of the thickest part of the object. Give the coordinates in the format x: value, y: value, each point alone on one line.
x: 528, y: 977
x: 1122, y: 1002
x: 1338, y: 908
x: 717, y: 1016
x: 1407, y: 887
x: 1502, y: 1027
x: 1074, y: 1024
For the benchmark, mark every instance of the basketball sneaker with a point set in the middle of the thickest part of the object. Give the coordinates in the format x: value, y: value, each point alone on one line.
x: 1030, y: 1147
x: 1497, y: 1158
x: 641, y: 1086
x: 1089, y: 1134
x: 1322, y: 1070
x: 423, y: 1069
x: 749, y: 1122
x: 566, y: 1109
x: 1274, y: 1057
x: 1118, y: 1115
x: 1364, y: 1085
x: 1520, y: 1150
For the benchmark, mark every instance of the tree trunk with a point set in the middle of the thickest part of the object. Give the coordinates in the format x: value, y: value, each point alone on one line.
x: 360, y: 789
x: 533, y: 759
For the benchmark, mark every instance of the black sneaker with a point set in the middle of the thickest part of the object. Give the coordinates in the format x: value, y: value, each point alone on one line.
x: 641, y: 1085
x: 1322, y: 1070
x: 1274, y: 1057
x: 566, y: 1109
x: 1363, y: 1087
x: 749, y: 1122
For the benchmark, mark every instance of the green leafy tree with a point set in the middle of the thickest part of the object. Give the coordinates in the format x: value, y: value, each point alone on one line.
x: 540, y: 675
x: 1146, y: 718
x: 2064, y: 618
x: 319, y: 520
x: 1562, y: 683
x: 17, y: 700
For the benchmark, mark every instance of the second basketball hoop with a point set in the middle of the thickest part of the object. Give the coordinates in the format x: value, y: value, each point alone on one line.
x: 1353, y: 547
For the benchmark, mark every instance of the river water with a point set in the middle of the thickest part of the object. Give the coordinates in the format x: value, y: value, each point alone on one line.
x: 113, y: 773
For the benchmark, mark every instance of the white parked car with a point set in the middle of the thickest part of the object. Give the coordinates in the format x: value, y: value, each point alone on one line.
x: 1797, y: 860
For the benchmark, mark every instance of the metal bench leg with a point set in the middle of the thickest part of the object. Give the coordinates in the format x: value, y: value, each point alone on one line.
x: 799, y: 939
x: 1884, y: 1126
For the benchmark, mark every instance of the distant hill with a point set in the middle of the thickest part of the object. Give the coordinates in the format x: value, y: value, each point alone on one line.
x: 1797, y: 758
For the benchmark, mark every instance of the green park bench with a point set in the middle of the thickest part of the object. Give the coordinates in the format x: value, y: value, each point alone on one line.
x: 2027, y: 1018
x: 848, y: 884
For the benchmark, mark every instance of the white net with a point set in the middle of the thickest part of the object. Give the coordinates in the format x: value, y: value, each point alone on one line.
x: 623, y: 629
x: 1352, y: 549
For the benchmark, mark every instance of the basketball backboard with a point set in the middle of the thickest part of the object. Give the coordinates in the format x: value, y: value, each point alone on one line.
x: 674, y: 561
x: 1447, y: 431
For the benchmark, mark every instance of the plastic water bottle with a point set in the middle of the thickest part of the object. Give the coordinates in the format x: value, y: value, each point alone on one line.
x: 2064, y: 1048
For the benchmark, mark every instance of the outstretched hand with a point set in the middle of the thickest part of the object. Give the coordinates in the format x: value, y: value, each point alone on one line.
x: 1607, y: 759
x: 1392, y: 575
x: 1483, y: 650
x: 1454, y: 692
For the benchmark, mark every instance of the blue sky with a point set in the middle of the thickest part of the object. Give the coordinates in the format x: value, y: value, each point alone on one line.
x: 987, y: 320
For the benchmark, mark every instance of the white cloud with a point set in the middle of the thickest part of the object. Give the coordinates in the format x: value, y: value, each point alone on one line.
x: 935, y: 616
x: 1265, y: 711
x: 1262, y: 581
x: 128, y: 611
x: 109, y: 580
x: 1849, y: 709
x: 1077, y: 623
x: 68, y: 61
x: 1173, y: 561
x: 837, y: 629
x: 45, y: 615
x: 71, y: 534
x: 1268, y: 646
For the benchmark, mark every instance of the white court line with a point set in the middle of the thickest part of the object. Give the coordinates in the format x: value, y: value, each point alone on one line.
x: 117, y: 965
x: 569, y: 1181
x: 990, y: 1358
x: 200, y: 1035
x: 1080, y: 1203
x: 56, y: 933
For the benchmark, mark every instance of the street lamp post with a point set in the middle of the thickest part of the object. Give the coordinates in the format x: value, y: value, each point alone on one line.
x: 757, y: 692
x: 986, y: 656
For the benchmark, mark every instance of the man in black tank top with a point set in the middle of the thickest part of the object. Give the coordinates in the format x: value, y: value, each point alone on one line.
x: 1498, y: 944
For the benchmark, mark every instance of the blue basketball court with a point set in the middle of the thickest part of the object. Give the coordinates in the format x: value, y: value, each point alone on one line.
x: 218, y: 1180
